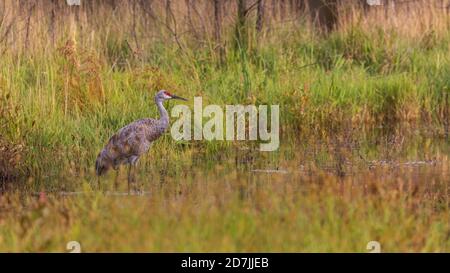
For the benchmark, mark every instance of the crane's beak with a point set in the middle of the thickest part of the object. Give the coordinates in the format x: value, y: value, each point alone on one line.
x: 178, y: 98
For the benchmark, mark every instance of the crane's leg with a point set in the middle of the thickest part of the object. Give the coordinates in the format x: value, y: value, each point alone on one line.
x: 129, y: 177
x: 131, y: 172
x: 138, y: 183
x: 116, y: 179
x: 133, y: 178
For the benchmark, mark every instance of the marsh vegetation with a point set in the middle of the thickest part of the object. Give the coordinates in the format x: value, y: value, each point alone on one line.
x: 364, y: 126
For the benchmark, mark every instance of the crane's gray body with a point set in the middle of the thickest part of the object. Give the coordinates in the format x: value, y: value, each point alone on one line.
x: 133, y: 140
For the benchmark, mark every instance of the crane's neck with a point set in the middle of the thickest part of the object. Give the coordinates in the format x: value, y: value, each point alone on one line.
x: 163, y: 115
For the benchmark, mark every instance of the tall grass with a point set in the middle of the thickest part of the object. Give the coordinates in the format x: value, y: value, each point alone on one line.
x: 71, y: 82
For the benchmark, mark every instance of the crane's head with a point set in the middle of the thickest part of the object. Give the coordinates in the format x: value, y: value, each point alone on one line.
x: 164, y: 95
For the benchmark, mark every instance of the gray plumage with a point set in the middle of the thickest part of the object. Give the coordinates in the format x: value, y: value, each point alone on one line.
x: 135, y: 139
x: 129, y: 143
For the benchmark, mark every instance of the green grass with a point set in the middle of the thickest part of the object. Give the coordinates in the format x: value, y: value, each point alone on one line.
x: 352, y: 88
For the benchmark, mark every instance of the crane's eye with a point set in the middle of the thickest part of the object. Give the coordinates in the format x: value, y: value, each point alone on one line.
x: 167, y: 94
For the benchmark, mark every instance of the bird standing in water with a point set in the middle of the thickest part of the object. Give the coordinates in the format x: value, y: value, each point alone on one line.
x: 134, y: 140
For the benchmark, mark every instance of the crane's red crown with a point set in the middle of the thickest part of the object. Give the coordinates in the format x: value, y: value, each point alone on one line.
x: 167, y: 94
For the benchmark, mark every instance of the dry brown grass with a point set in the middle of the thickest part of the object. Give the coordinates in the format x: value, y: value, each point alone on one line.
x: 40, y: 25
x: 425, y: 20
x: 81, y: 76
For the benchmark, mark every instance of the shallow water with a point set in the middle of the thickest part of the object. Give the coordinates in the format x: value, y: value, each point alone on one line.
x: 333, y: 195
x: 416, y: 157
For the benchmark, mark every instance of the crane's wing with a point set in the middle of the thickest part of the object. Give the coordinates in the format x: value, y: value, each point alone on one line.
x: 129, y: 143
x: 133, y: 139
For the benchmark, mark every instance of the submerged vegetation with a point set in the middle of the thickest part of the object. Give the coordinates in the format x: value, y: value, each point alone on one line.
x: 364, y: 123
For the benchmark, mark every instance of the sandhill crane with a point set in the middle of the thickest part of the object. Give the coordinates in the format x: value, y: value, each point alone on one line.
x: 134, y: 140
